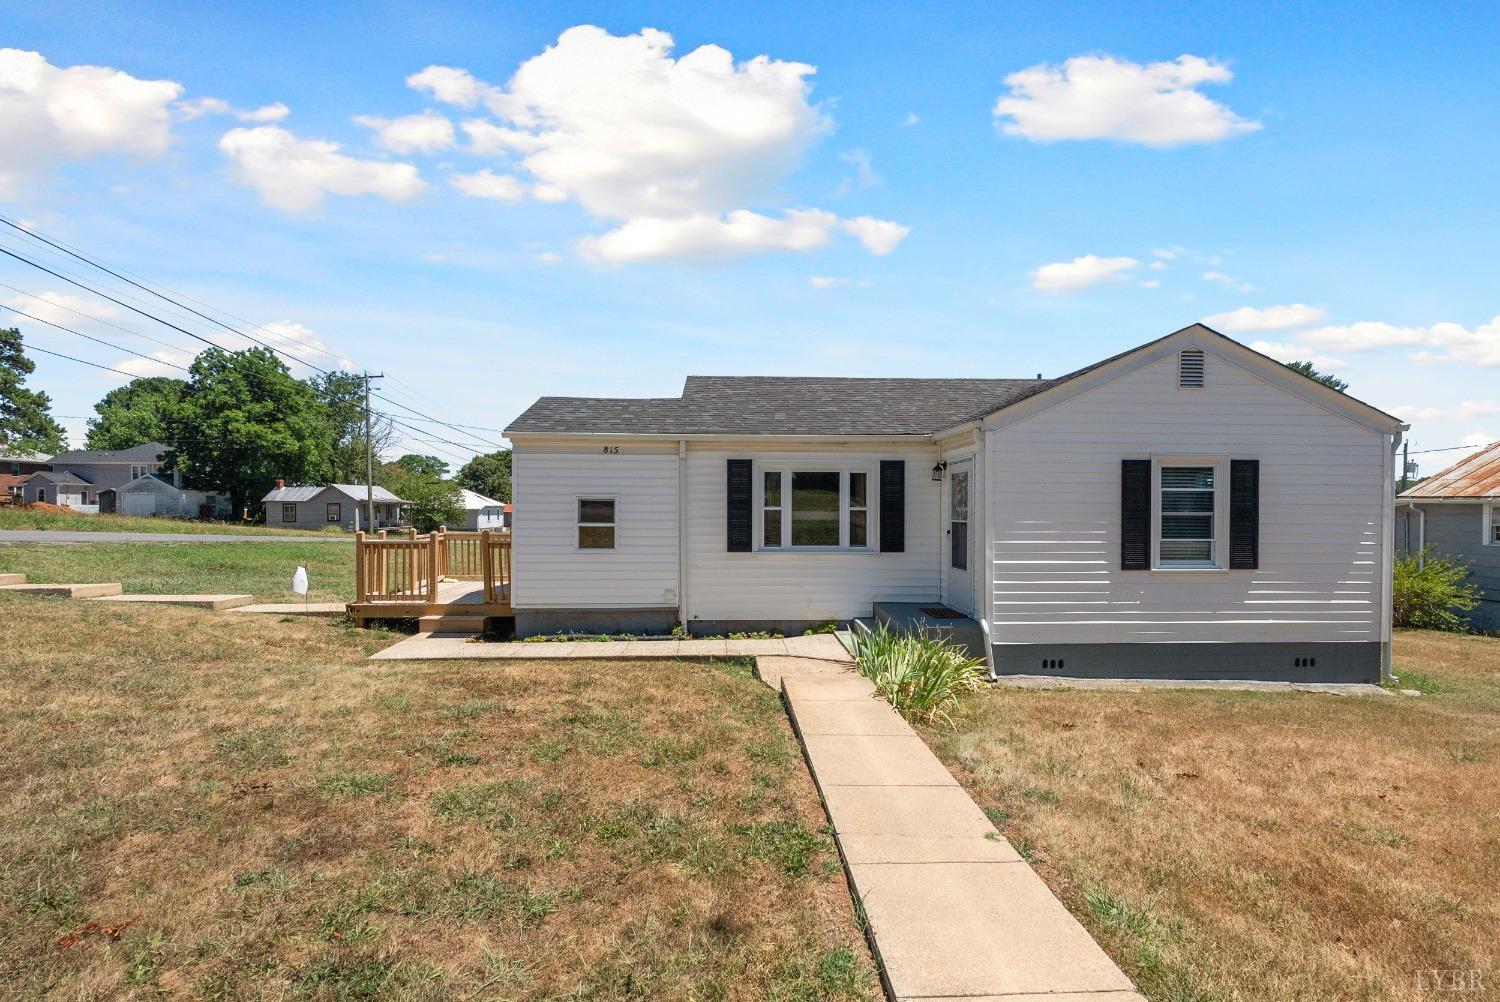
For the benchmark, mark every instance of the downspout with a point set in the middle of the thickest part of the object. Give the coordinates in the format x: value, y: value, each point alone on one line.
x: 987, y: 607
x: 1388, y: 498
x: 682, y: 583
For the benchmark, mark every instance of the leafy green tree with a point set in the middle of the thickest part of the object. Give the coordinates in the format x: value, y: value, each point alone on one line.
x: 433, y: 501
x: 427, y: 466
x: 343, y: 394
x: 488, y: 474
x: 242, y: 422
x: 26, y: 423
x: 135, y: 413
x: 1306, y: 368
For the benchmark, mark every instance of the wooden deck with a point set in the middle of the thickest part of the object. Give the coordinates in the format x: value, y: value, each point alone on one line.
x: 442, y: 573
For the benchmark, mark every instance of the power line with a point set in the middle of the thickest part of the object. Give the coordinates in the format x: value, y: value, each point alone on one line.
x: 70, y: 358
x: 90, y: 337
x: 97, y: 320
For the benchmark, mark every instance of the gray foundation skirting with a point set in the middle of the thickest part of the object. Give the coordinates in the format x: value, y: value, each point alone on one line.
x: 530, y: 622
x: 727, y: 627
x: 1270, y: 662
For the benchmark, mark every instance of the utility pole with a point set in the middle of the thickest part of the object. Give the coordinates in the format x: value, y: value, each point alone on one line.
x: 369, y: 457
x: 1405, y: 463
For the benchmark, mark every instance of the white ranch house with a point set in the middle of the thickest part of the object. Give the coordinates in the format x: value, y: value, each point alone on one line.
x: 320, y: 506
x: 1190, y: 508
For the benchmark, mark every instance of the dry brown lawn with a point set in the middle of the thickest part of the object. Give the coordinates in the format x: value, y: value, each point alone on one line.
x: 206, y: 806
x: 1263, y: 846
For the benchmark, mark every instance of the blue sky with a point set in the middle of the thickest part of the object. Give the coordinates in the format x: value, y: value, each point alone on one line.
x: 627, y: 211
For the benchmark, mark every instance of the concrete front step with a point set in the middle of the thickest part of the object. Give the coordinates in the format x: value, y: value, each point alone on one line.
x: 10, y: 579
x: 914, y: 617
x: 65, y: 590
x: 214, y: 602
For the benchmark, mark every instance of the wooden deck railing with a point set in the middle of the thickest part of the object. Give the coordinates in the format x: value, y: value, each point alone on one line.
x: 409, y: 568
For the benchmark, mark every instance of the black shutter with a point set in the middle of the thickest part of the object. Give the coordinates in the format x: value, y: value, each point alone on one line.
x: 893, y: 506
x: 1135, y: 514
x: 740, y: 500
x: 1244, y: 514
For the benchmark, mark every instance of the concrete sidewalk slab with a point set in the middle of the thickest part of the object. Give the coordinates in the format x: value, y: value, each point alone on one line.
x: 976, y: 929
x: 65, y: 590
x: 773, y: 668
x: 214, y: 602
x: 845, y: 685
x: 870, y: 717
x: 328, y: 609
x: 10, y: 579
x: 861, y: 760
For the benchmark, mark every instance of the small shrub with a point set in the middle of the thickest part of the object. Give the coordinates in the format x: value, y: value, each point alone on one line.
x: 1429, y: 592
x: 827, y: 626
x: 923, y: 676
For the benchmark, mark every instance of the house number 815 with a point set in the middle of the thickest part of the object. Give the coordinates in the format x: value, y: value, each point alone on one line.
x: 611, y: 450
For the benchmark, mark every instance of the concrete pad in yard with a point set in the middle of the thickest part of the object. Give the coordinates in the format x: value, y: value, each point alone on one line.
x: 215, y: 602
x: 8, y: 579
x: 850, y: 760
x: 977, y: 929
x: 65, y: 590
x: 327, y: 609
x: 772, y: 668
x: 844, y: 685
x: 871, y: 716
x: 913, y: 824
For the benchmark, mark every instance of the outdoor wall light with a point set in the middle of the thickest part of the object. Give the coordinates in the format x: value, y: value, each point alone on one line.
x: 937, y: 470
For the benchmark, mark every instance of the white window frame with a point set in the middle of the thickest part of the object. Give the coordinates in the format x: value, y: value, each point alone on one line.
x: 333, y: 511
x: 1489, y: 527
x: 1220, y: 466
x: 843, y: 469
x: 579, y: 524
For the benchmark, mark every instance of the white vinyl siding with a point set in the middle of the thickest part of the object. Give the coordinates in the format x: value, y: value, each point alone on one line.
x: 1055, y: 504
x: 792, y: 584
x: 551, y: 571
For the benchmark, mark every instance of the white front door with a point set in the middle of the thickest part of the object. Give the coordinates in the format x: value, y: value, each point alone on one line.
x: 958, y: 556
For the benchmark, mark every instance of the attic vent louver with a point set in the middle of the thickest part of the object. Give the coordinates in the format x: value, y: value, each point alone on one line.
x: 1190, y: 369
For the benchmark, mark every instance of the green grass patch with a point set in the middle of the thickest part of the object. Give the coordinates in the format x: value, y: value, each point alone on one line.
x: 21, y: 517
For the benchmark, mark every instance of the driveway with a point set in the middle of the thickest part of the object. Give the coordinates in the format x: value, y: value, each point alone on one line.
x: 54, y: 536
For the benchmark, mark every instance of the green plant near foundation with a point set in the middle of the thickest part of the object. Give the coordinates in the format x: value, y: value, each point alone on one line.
x: 923, y: 676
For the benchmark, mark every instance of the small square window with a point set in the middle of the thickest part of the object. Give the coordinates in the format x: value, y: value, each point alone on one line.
x: 596, y: 523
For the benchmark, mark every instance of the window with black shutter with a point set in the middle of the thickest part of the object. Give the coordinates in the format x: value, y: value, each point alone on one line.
x: 1135, y: 514
x: 740, y: 506
x: 1244, y: 514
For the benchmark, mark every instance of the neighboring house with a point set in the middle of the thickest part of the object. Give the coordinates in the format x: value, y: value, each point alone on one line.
x: 342, y: 505
x: 16, y: 467
x: 1457, y: 513
x: 163, y: 495
x: 103, y: 473
x: 481, y: 512
x: 1189, y: 508
x: 60, y: 488
x: 510, y: 512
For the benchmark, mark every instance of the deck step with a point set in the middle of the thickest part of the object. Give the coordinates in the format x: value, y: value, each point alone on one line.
x: 9, y: 579
x: 452, y: 624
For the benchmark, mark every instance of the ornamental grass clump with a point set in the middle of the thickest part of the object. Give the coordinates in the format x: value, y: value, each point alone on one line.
x: 923, y: 676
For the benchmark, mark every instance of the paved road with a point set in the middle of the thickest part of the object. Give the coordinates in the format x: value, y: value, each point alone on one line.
x: 54, y: 536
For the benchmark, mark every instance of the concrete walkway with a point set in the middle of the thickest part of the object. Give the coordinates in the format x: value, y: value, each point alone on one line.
x: 462, y: 647
x: 953, y: 910
x: 66, y: 536
x: 217, y: 603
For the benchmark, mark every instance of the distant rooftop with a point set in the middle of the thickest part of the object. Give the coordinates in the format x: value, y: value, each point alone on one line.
x: 148, y: 452
x: 1475, y: 476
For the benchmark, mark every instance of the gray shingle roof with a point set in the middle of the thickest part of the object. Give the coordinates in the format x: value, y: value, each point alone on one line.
x: 355, y: 492
x: 61, y: 478
x: 779, y: 405
x: 150, y: 452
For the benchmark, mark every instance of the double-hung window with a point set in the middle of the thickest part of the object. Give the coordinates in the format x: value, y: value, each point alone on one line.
x: 1189, y: 521
x: 814, y: 509
x: 1492, y: 524
x: 335, y: 511
x: 596, y: 523
x: 289, y: 513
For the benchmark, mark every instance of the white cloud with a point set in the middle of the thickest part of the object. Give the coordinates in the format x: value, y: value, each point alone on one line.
x: 672, y: 149
x: 156, y: 363
x: 50, y: 114
x: 1271, y: 318
x: 1363, y: 336
x: 1101, y: 97
x: 424, y: 132
x: 1284, y: 351
x: 1439, y: 343
x: 1167, y: 253
x: 864, y: 175
x: 706, y: 238
x: 62, y: 307
x: 299, y: 341
x: 295, y: 174
x: 827, y: 281
x: 911, y: 118
x: 1219, y: 278
x: 879, y: 236
x: 487, y: 184
x: 1477, y: 439
x: 274, y: 112
x: 1081, y: 272
x: 1151, y: 283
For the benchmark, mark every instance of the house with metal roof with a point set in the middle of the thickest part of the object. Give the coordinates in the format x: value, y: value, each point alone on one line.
x: 16, y: 467
x: 481, y: 512
x: 1457, y: 513
x: 343, y: 505
x: 1189, y: 508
